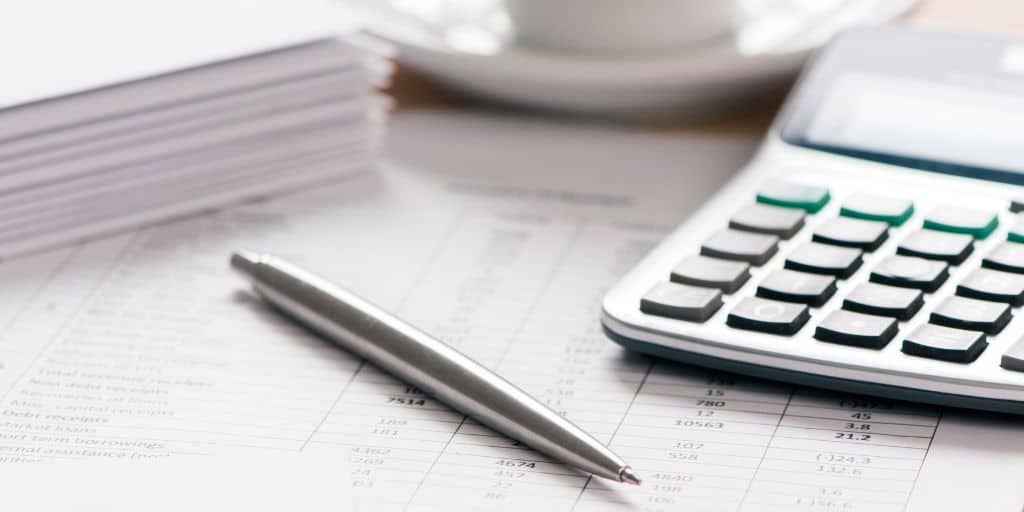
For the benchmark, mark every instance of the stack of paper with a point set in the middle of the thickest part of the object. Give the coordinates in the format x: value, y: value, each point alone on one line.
x: 131, y: 112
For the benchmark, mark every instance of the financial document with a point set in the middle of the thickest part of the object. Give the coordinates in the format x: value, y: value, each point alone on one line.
x: 257, y: 482
x: 498, y: 235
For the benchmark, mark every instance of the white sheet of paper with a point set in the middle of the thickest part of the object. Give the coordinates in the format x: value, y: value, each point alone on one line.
x: 78, y: 46
x: 499, y: 235
x: 252, y: 483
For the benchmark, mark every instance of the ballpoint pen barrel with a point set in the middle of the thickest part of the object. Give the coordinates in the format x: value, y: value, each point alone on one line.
x: 428, y: 363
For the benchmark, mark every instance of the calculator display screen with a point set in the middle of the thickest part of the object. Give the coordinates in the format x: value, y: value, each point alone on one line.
x: 950, y: 114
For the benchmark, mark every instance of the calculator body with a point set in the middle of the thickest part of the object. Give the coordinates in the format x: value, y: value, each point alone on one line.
x: 821, y: 140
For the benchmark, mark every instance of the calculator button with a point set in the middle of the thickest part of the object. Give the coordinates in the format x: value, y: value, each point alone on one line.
x: 936, y: 245
x: 872, y: 207
x: 794, y: 195
x: 681, y: 301
x: 1013, y: 359
x: 866, y: 235
x: 910, y: 272
x: 954, y: 219
x: 972, y: 314
x: 947, y: 344
x: 817, y: 258
x: 1016, y: 233
x: 988, y: 284
x: 790, y: 286
x: 878, y: 299
x: 849, y: 328
x: 1008, y: 257
x: 754, y: 248
x: 768, y: 316
x: 727, y: 276
x: 774, y: 220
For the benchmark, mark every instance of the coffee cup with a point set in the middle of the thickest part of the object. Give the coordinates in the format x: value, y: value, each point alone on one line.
x: 617, y: 27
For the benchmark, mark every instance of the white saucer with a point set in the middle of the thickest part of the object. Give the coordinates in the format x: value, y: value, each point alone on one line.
x: 468, y: 44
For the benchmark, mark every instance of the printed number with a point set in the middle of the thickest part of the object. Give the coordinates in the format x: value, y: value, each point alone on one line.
x: 865, y: 404
x: 840, y: 458
x: 689, y: 445
x: 710, y: 403
x: 401, y: 400
x: 509, y: 463
x: 700, y: 424
x: 720, y: 381
x: 852, y: 436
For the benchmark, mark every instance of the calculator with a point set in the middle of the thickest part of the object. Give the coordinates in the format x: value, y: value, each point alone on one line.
x: 873, y: 244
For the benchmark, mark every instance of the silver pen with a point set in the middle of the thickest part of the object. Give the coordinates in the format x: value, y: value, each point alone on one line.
x: 426, y: 362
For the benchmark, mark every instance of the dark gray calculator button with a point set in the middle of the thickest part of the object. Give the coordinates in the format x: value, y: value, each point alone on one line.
x: 988, y: 284
x: 754, y: 248
x: 792, y: 286
x: 817, y: 258
x: 936, y: 245
x: 879, y: 299
x: 1013, y: 359
x: 774, y: 220
x: 910, y: 272
x: 768, y: 316
x: 682, y: 302
x: 725, y: 275
x: 972, y: 315
x: 866, y: 235
x: 849, y: 328
x: 1008, y: 257
x: 945, y: 343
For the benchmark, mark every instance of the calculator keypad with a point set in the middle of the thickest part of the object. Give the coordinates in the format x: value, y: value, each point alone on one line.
x: 791, y: 286
x: 857, y: 329
x: 1013, y: 359
x: 820, y: 258
x: 810, y: 198
x: 954, y: 219
x: 945, y: 343
x: 882, y: 300
x: 1016, y: 233
x: 773, y: 220
x: 872, y: 207
x: 768, y: 316
x: 682, y: 302
x: 910, y: 272
x: 993, y: 285
x: 1008, y: 257
x: 730, y: 244
x: 972, y: 315
x: 871, y: 313
x: 725, y: 275
x: 866, y: 235
x: 935, y: 245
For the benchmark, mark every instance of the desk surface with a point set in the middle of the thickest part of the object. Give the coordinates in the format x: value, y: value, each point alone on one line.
x: 412, y: 90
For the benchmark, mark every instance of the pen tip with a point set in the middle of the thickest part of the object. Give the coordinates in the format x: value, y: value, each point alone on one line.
x: 628, y: 476
x: 245, y: 262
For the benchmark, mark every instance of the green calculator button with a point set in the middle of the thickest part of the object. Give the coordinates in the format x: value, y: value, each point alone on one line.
x: 1016, y: 233
x: 953, y: 219
x: 794, y: 195
x: 872, y: 207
